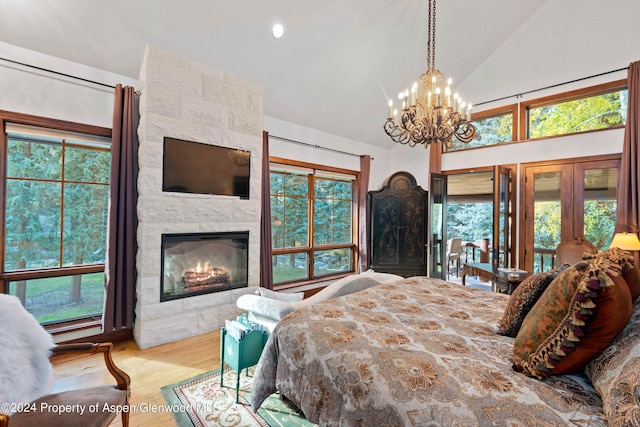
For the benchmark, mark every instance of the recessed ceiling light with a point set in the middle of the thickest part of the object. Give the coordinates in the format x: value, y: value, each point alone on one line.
x: 277, y: 30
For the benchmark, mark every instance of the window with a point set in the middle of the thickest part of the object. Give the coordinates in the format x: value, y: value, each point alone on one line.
x: 55, y: 221
x: 313, y: 222
x: 492, y: 127
x: 587, y: 111
x: 590, y: 109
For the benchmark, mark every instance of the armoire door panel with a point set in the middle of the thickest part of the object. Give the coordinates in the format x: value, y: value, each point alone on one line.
x: 398, y: 222
x: 386, y: 222
x: 413, y: 232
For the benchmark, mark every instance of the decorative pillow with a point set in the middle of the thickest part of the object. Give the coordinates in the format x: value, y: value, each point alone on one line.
x: 523, y: 298
x: 281, y: 296
x: 615, y: 374
x: 575, y: 319
x: 632, y: 277
x: 630, y: 272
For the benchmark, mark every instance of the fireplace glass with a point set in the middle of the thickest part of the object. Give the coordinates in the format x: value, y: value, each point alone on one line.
x: 200, y: 263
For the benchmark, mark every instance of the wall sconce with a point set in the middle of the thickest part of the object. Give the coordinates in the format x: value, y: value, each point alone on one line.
x: 627, y: 241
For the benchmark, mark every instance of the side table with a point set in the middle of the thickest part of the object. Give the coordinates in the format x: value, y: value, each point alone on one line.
x: 507, y: 279
x: 483, y: 270
x: 504, y: 280
x: 240, y: 353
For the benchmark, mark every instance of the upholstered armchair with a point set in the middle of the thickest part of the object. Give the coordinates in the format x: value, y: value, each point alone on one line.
x: 572, y: 251
x: 26, y: 378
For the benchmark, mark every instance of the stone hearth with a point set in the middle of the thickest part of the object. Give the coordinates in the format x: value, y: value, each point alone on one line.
x: 183, y: 99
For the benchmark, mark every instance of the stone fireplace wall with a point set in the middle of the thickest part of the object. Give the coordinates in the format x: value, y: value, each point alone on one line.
x: 183, y: 99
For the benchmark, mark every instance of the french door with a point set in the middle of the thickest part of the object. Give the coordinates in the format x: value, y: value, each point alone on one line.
x: 437, y: 225
x: 565, y: 200
x: 503, y: 250
x: 503, y: 229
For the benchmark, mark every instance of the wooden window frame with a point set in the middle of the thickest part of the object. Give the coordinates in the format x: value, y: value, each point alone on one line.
x: 520, y: 111
x: 495, y: 112
x: 526, y: 195
x: 310, y: 249
x: 559, y: 98
x: 55, y: 124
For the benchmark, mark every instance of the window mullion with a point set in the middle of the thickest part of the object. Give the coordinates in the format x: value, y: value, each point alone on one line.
x: 64, y: 146
x: 311, y: 228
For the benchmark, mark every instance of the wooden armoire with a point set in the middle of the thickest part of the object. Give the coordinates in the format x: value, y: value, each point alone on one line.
x: 398, y: 227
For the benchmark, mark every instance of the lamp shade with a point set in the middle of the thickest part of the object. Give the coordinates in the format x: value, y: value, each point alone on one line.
x: 626, y: 241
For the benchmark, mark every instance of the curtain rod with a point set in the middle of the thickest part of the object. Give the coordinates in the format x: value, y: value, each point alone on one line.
x: 519, y: 95
x: 58, y: 73
x: 314, y: 146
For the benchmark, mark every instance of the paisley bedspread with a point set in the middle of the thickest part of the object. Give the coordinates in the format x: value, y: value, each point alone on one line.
x: 419, y: 352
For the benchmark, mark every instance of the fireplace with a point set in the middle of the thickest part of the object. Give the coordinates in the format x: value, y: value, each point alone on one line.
x: 201, y: 263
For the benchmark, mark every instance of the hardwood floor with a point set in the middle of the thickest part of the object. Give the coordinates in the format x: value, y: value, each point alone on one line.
x: 149, y: 370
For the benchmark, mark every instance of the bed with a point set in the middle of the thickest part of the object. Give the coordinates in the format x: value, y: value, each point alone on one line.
x: 417, y: 352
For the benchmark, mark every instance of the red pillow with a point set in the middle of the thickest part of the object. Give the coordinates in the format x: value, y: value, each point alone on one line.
x: 624, y: 259
x: 575, y: 319
x: 632, y: 277
x: 611, y: 315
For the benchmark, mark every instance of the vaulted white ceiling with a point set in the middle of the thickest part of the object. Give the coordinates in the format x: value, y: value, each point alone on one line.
x: 333, y: 70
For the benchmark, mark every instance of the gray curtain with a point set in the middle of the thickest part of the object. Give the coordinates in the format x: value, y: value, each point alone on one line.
x: 363, y: 233
x: 628, y: 202
x: 121, y: 234
x: 266, y: 267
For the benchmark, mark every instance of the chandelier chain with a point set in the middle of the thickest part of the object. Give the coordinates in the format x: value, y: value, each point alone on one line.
x: 430, y: 49
x: 431, y: 113
x: 433, y: 38
x: 429, y: 37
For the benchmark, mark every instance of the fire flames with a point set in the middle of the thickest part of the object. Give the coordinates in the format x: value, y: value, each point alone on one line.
x: 204, y: 275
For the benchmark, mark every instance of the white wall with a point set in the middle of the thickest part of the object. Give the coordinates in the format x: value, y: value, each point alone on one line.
x: 380, y: 165
x: 414, y: 160
x: 30, y: 91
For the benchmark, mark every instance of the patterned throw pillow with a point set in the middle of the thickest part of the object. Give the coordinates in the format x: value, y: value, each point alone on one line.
x: 630, y: 272
x: 615, y: 374
x: 575, y: 319
x: 523, y: 298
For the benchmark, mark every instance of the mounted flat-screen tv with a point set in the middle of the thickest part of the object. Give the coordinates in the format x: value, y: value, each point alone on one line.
x: 194, y: 167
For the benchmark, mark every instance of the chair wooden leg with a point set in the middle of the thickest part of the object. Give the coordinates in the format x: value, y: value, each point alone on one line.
x: 125, y: 418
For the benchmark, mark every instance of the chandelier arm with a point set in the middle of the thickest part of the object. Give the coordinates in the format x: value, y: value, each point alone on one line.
x: 465, y: 132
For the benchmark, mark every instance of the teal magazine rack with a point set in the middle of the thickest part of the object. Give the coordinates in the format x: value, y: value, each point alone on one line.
x: 241, y: 345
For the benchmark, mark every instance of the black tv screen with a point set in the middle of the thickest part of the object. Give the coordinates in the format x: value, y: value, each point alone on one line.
x: 194, y: 167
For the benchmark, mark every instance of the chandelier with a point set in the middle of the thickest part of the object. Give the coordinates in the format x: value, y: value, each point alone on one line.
x: 431, y: 112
